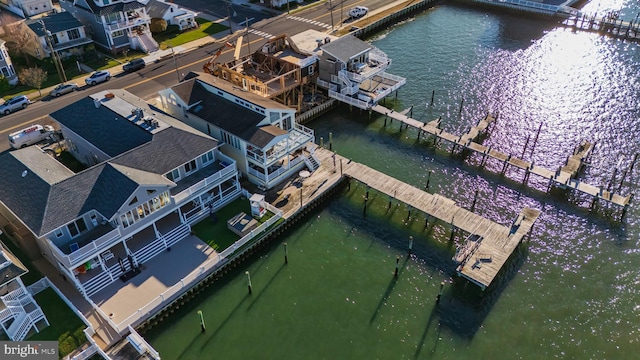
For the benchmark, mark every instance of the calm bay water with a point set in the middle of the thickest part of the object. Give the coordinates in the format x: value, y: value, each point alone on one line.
x: 570, y: 292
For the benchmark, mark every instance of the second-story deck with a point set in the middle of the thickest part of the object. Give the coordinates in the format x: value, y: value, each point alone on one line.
x: 298, y: 137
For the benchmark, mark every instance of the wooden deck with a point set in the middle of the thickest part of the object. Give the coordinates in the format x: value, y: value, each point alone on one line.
x: 479, y: 258
x: 564, y: 177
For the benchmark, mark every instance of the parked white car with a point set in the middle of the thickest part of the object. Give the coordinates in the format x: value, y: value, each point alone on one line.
x: 358, y: 11
x: 98, y: 77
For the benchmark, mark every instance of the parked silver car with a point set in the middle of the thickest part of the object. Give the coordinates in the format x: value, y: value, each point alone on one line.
x: 15, y: 103
x: 64, y: 89
x: 98, y: 77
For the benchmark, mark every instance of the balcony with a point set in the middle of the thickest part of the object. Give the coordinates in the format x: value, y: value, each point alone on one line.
x: 299, y: 136
x: 223, y: 169
x: 142, y: 19
x: 90, y: 244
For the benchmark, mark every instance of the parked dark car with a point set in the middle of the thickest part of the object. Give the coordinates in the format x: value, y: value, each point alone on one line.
x: 134, y: 65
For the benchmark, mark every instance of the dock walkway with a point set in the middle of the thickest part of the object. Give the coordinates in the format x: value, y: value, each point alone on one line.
x: 564, y: 177
x: 484, y: 254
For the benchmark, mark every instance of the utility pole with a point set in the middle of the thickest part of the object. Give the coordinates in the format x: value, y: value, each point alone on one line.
x: 246, y: 23
x: 229, y: 18
x: 331, y: 8
x: 175, y: 63
x: 54, y: 55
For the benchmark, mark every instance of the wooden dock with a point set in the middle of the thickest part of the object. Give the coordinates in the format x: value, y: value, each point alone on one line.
x: 609, y: 24
x: 563, y: 177
x: 485, y: 251
x: 489, y: 245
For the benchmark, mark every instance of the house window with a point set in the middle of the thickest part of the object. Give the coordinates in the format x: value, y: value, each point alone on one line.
x: 1, y: 57
x: 207, y: 158
x: 310, y: 71
x: 54, y: 39
x: 274, y: 116
x: 190, y: 167
x: 77, y: 227
x: 5, y: 71
x: 116, y: 34
x: 58, y: 233
x: 174, y: 175
x: 73, y: 34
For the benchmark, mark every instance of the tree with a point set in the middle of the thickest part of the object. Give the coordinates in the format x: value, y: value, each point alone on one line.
x: 20, y: 40
x: 33, y: 77
x: 4, y: 84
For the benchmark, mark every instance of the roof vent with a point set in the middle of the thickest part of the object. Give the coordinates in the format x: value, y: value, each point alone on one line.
x: 24, y: 173
x: 109, y: 95
x: 96, y: 102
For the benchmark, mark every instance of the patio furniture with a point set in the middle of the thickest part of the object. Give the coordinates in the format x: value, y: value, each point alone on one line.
x: 107, y: 255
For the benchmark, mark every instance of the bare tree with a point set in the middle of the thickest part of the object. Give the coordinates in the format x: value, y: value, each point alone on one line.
x: 33, y: 77
x: 20, y: 40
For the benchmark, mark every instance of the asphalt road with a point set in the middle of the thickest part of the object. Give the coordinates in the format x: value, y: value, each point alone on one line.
x: 157, y: 76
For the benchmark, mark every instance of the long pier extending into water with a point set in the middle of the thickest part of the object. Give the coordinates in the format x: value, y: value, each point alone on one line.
x: 563, y: 177
x: 479, y: 258
x: 489, y: 245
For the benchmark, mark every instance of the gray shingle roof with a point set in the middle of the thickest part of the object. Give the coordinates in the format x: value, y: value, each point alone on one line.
x: 12, y: 270
x: 106, y: 130
x: 110, y: 9
x: 61, y: 21
x: 45, y: 200
x: 47, y: 168
x: 169, y: 149
x: 225, y: 114
x: 157, y: 9
x: 346, y: 47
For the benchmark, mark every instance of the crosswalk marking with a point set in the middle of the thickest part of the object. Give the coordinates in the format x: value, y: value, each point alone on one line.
x: 261, y: 33
x: 309, y: 21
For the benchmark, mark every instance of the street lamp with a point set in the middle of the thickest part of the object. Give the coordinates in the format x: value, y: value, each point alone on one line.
x: 54, y: 55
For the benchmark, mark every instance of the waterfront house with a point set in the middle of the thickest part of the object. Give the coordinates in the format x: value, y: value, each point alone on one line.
x: 260, y: 134
x: 183, y: 18
x: 66, y: 35
x: 27, y: 8
x: 6, y: 66
x: 116, y: 25
x: 149, y: 178
x: 19, y: 312
x: 354, y: 71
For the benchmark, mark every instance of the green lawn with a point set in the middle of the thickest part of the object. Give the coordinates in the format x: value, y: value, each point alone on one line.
x: 173, y: 37
x: 217, y: 235
x: 65, y: 327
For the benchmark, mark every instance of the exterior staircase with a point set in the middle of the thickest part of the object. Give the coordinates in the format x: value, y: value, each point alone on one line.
x: 312, y: 162
x: 147, y: 42
x: 22, y: 311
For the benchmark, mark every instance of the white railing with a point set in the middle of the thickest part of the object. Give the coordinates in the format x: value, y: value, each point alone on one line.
x: 220, y: 200
x: 38, y: 286
x: 327, y: 85
x: 90, y: 250
x: 88, y: 352
x: 19, y: 326
x: 350, y: 100
x: 308, y: 61
x: 123, y: 24
x: 140, y: 340
x: 519, y: 4
x: 69, y: 303
x: 16, y: 294
x: 150, y: 250
x: 10, y: 311
x: 216, y: 178
x: 97, y: 283
x: 177, y: 234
